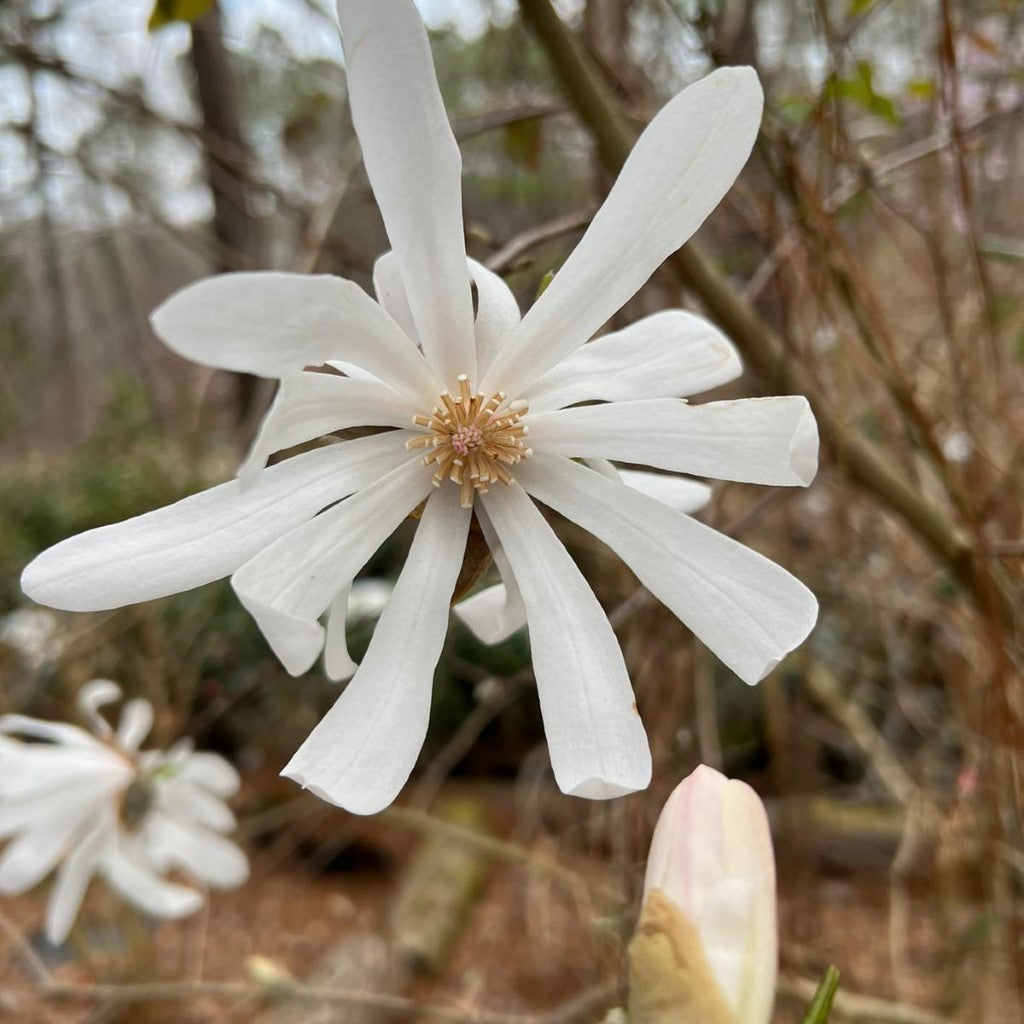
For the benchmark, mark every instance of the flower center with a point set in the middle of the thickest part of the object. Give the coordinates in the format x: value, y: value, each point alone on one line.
x: 472, y: 439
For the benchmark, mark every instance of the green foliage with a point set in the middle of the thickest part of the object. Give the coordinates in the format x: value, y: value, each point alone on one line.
x: 120, y: 471
x: 167, y: 11
x: 821, y: 1005
x: 859, y: 88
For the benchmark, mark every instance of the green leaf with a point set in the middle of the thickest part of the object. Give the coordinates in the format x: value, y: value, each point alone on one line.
x: 821, y: 1004
x: 859, y: 7
x: 859, y: 88
x: 167, y: 11
x: 524, y: 142
x: 544, y: 282
x: 921, y: 88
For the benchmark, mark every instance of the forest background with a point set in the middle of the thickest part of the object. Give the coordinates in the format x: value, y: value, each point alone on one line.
x: 870, y: 257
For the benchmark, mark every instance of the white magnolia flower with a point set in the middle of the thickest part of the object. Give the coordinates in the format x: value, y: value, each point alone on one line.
x: 95, y: 804
x: 706, y: 950
x: 465, y: 392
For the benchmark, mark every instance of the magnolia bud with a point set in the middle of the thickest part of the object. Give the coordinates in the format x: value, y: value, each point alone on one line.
x: 706, y: 948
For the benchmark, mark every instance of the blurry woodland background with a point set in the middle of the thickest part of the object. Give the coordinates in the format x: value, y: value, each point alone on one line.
x: 870, y: 257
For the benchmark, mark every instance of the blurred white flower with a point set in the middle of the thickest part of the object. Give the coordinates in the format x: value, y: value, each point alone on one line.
x: 464, y: 393
x: 32, y: 634
x: 706, y: 948
x: 87, y: 804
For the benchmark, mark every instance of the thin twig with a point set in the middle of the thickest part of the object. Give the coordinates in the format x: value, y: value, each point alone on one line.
x: 24, y: 947
x: 179, y: 991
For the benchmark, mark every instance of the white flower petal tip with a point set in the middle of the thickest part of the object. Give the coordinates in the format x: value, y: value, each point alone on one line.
x: 600, y: 789
x: 364, y: 806
x: 711, y: 858
x: 490, y: 615
x: 803, y: 449
x: 297, y: 642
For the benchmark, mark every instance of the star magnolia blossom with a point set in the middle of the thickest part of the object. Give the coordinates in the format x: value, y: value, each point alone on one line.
x: 706, y: 950
x: 95, y: 804
x: 485, y: 410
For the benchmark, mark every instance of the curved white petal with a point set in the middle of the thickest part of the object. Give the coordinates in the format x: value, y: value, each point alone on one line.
x: 390, y: 291
x: 414, y: 166
x: 94, y: 695
x: 54, y: 732
x: 287, y: 586
x: 205, y: 855
x: 338, y: 663
x: 679, y: 492
x: 205, y: 536
x: 33, y: 771
x: 33, y: 854
x: 274, y: 324
x: 678, y: 171
x: 748, y: 610
x: 496, y: 612
x: 363, y: 751
x: 711, y: 855
x: 129, y: 873
x: 191, y: 802
x: 73, y: 879
x: 753, y: 440
x: 210, y: 771
x: 310, y: 405
x: 497, y: 314
x: 668, y: 355
x: 597, y: 742
x: 136, y: 721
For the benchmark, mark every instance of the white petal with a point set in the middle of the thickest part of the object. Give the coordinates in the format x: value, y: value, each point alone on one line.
x: 128, y: 872
x: 182, y: 799
x: 363, y: 751
x: 390, y: 291
x: 494, y: 613
x: 338, y: 663
x: 754, y: 440
x: 311, y: 405
x: 679, y: 169
x: 748, y: 610
x: 668, y: 355
x: 497, y: 314
x: 31, y: 856
x: 95, y: 695
x: 287, y: 586
x: 211, y: 772
x: 32, y: 770
x: 54, y: 732
x: 274, y: 325
x: 205, y: 536
x: 679, y: 492
x: 207, y: 856
x: 136, y: 721
x: 414, y: 166
x: 73, y: 879
x: 597, y: 742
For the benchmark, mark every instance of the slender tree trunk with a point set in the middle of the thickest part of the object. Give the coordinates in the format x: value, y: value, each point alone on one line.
x: 228, y: 161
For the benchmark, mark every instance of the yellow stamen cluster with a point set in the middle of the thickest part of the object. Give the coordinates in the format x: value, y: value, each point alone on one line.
x: 472, y: 439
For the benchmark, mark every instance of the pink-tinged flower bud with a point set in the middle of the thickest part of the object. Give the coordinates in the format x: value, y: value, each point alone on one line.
x: 706, y: 948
